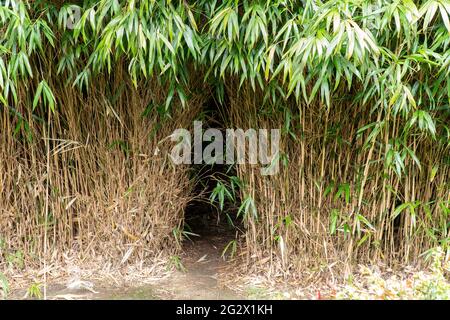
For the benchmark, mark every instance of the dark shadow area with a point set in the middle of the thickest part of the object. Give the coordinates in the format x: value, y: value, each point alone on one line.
x: 203, y: 217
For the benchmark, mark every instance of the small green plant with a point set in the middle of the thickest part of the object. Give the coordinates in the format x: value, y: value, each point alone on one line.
x: 179, y: 235
x: 175, y: 261
x: 225, y: 190
x: 257, y: 293
x: 4, y: 286
x: 34, y: 291
x: 123, y: 146
x: 15, y: 259
x: 230, y: 249
x: 248, y: 208
x: 221, y: 193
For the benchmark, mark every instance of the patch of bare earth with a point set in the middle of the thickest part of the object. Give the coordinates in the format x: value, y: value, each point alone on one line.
x: 201, y: 278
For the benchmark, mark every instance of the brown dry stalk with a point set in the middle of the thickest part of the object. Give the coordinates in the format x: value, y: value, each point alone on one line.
x: 326, y: 152
x: 96, y: 185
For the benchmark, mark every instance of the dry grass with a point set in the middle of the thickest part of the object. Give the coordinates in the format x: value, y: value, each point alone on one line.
x: 334, y: 204
x: 94, y: 185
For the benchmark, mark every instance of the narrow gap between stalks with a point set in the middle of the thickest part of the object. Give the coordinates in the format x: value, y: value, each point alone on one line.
x: 204, y: 220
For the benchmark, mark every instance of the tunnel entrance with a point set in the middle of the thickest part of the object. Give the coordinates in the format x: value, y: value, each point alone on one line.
x: 203, y: 216
x: 207, y: 216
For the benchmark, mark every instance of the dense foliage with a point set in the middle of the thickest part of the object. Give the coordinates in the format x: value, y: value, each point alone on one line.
x: 393, y: 55
x: 389, y: 61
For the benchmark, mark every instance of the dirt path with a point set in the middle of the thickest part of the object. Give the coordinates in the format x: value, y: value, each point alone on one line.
x: 201, y: 279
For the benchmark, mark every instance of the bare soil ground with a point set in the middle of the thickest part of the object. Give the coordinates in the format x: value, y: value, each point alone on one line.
x: 201, y: 279
x: 197, y: 278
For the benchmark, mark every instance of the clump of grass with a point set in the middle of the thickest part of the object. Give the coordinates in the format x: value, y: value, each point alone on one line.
x: 175, y: 262
x: 34, y: 291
